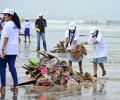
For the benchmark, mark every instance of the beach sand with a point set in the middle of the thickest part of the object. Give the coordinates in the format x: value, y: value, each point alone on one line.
x: 106, y: 88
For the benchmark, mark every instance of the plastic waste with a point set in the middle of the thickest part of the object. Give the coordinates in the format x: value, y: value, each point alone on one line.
x: 70, y: 80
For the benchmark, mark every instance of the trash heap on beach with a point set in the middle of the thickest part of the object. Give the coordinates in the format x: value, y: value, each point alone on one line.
x: 59, y: 48
x: 50, y: 71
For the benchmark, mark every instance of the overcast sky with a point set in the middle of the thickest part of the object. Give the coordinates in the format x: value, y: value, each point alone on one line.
x: 65, y: 9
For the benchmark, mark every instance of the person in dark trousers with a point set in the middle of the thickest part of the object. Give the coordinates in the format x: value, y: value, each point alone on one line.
x: 27, y: 30
x: 40, y: 25
x: 1, y: 24
x: 9, y: 46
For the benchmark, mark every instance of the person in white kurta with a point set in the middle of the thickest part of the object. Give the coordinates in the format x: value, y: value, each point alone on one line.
x: 99, y: 50
x: 72, y: 40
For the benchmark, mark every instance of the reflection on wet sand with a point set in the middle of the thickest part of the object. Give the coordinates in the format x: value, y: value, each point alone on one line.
x: 99, y: 89
x: 26, y: 51
x: 15, y: 97
x: 3, y: 97
x: 58, y: 92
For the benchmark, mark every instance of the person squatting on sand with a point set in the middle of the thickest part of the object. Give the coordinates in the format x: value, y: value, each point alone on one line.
x: 40, y: 25
x: 27, y: 30
x: 72, y: 43
x: 99, y: 50
x: 9, y: 48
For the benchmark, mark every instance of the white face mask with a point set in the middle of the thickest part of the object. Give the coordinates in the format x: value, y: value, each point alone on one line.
x: 93, y: 34
x: 71, y: 30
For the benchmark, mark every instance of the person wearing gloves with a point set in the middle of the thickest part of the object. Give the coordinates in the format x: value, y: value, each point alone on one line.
x: 99, y: 50
x: 72, y: 43
x: 27, y: 30
x: 40, y: 25
x: 9, y: 48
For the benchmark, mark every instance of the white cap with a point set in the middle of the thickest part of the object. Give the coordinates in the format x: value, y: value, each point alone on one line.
x: 8, y: 11
x: 93, y: 29
x: 71, y: 26
x: 41, y: 14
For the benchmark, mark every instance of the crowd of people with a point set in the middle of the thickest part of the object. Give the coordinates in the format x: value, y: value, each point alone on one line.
x: 10, y: 41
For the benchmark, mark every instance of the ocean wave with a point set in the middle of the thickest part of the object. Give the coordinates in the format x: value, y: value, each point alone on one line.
x: 81, y: 21
x: 94, y: 22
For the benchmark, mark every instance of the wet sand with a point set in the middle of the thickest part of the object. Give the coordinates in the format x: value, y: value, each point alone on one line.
x: 106, y: 88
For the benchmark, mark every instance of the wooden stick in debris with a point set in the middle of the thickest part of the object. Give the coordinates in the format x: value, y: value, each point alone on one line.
x: 26, y: 81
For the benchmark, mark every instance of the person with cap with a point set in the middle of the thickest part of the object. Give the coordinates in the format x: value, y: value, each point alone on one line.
x: 40, y: 25
x: 9, y: 48
x: 99, y: 50
x: 1, y: 24
x: 27, y: 30
x: 72, y: 40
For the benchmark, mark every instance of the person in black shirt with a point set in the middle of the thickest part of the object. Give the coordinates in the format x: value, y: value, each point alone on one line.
x: 40, y: 25
x: 2, y: 21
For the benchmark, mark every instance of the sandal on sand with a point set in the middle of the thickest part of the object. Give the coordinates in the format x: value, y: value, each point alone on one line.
x: 29, y: 42
x: 2, y: 90
x: 81, y: 71
x: 104, y: 73
x: 14, y: 89
x: 95, y: 75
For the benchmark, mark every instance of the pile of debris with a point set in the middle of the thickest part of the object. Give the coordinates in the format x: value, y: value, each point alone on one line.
x: 59, y: 48
x: 50, y: 71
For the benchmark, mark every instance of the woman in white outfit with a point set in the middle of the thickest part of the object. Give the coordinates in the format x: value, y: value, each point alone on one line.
x: 99, y: 50
x: 9, y: 48
x: 72, y: 40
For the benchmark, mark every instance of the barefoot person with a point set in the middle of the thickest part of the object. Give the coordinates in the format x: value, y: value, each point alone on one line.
x: 9, y: 48
x: 72, y: 40
x: 99, y: 50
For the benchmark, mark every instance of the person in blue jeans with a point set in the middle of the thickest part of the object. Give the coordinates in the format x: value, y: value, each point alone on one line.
x: 9, y: 48
x: 10, y: 59
x: 40, y: 25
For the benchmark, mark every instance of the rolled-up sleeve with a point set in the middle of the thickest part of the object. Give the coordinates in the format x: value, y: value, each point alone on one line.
x: 6, y: 31
x: 99, y: 38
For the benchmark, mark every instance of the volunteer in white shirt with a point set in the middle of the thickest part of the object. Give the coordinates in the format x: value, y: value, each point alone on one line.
x: 72, y: 42
x: 9, y: 48
x: 27, y: 30
x: 99, y: 50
